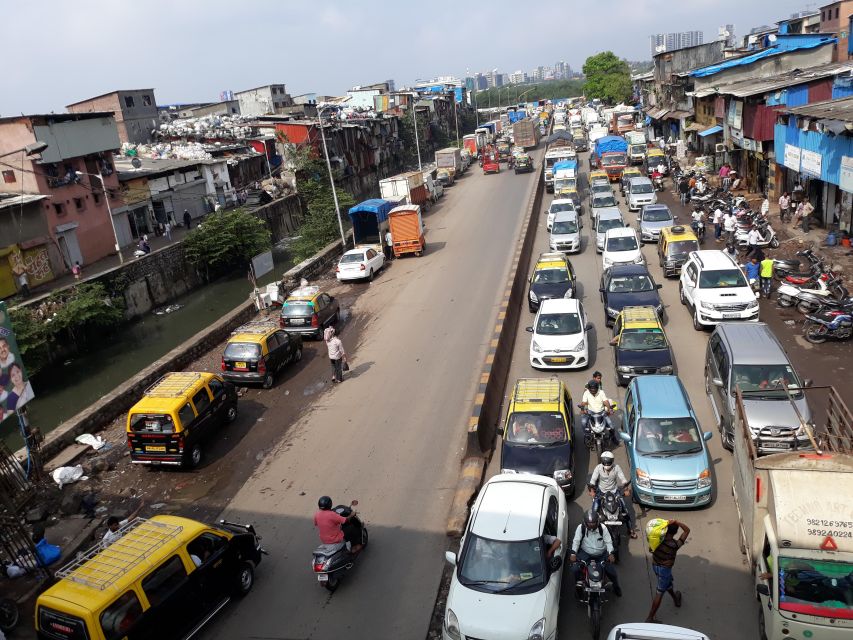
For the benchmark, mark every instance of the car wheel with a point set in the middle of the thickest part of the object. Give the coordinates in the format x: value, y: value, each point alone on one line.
x: 231, y: 414
x: 681, y: 297
x: 245, y: 579
x: 192, y: 458
x: 370, y: 276
x: 298, y: 355
x: 268, y: 381
x: 696, y: 324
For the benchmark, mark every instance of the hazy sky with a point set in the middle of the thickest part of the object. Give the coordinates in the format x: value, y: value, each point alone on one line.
x: 57, y: 52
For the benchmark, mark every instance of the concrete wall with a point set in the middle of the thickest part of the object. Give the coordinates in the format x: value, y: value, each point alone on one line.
x: 135, y: 122
x: 73, y: 139
x: 283, y: 216
x: 16, y: 134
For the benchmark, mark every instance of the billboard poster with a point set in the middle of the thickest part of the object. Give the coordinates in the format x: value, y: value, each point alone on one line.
x: 15, y: 387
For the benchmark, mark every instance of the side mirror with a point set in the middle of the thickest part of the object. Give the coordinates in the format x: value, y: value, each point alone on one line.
x: 588, y: 326
x: 763, y: 590
x: 529, y: 329
x: 658, y: 286
x: 450, y: 557
x: 717, y: 382
x: 600, y: 289
x: 625, y: 437
x: 500, y: 430
x: 707, y: 436
x: 808, y: 382
x: 627, y: 224
x: 555, y: 563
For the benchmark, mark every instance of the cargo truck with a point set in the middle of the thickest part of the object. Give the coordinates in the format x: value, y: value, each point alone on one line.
x: 611, y: 155
x: 407, y: 230
x: 487, y: 131
x: 369, y: 223
x: 449, y: 159
x: 637, y: 146
x: 554, y: 155
x: 408, y: 185
x: 526, y: 133
x: 470, y: 142
x: 796, y: 529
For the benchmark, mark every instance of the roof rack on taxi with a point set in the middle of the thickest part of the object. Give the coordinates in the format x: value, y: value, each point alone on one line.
x: 256, y: 326
x: 537, y: 390
x: 173, y: 384
x: 102, y: 565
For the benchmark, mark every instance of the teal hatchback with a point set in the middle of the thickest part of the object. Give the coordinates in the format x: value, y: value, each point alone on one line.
x: 667, y: 450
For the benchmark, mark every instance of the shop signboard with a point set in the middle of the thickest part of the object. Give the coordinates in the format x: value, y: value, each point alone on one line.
x: 15, y: 387
x: 846, y: 181
x: 811, y: 163
x: 792, y: 157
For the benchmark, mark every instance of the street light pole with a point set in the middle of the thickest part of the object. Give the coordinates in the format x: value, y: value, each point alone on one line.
x: 455, y: 119
x: 417, y: 141
x: 31, y: 149
x: 109, y: 208
x: 331, y: 177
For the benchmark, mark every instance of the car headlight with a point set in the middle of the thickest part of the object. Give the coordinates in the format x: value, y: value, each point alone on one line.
x: 623, y: 369
x: 562, y: 475
x: 537, y: 631
x: 568, y: 293
x: 535, y: 346
x: 707, y: 305
x: 451, y: 625
x: 659, y: 309
x: 533, y: 297
x: 612, y: 312
x: 643, y: 479
x: 665, y: 369
x: 607, y: 262
x: 581, y: 346
x: 752, y: 305
x: 639, y: 260
x: 705, y: 479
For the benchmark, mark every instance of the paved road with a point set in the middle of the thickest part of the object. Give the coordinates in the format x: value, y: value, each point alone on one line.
x: 718, y: 596
x: 391, y: 435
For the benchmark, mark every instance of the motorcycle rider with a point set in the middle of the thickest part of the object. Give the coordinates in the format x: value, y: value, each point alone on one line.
x: 592, y: 542
x: 596, y: 401
x: 329, y: 525
x: 608, y: 477
x: 698, y: 216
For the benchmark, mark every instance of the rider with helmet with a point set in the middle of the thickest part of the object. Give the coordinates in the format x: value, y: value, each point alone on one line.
x: 595, y: 400
x: 330, y: 523
x: 608, y: 477
x: 592, y: 542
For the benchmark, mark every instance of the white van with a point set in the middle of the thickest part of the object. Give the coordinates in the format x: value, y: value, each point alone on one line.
x: 648, y: 631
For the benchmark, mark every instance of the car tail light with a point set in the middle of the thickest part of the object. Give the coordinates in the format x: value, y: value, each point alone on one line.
x: 129, y: 443
x: 281, y: 322
x: 315, y: 320
x: 222, y: 366
x: 362, y: 267
x: 338, y: 269
x: 262, y: 366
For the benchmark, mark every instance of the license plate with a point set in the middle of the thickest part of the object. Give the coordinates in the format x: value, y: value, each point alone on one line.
x: 775, y: 445
x: 295, y: 321
x: 239, y: 365
x: 731, y: 316
x: 322, y: 577
x: 675, y: 498
x: 163, y: 449
x: 555, y: 360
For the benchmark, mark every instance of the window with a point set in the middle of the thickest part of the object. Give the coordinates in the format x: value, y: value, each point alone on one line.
x: 128, y: 102
x: 160, y: 584
x: 836, y: 12
x: 79, y: 204
x: 273, y: 343
x: 9, y: 176
x: 96, y: 198
x: 186, y: 415
x: 550, y: 528
x: 120, y: 616
x: 201, y: 400
x: 216, y: 387
x: 59, y: 208
x: 205, y: 546
x: 146, y: 101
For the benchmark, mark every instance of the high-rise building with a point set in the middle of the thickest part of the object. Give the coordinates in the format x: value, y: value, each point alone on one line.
x: 726, y: 34
x: 669, y: 41
x: 519, y: 77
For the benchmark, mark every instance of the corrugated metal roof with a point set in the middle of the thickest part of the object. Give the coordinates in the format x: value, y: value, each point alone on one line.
x: 752, y: 87
x: 18, y: 200
x: 783, y: 45
x: 841, y: 109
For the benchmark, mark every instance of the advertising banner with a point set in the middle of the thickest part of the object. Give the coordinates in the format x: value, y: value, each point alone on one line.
x: 15, y: 387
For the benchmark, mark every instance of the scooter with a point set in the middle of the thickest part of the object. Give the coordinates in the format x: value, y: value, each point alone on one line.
x: 610, y: 511
x: 788, y: 294
x: 829, y: 323
x: 332, y: 561
x: 768, y: 237
x: 811, y: 300
x: 792, y: 267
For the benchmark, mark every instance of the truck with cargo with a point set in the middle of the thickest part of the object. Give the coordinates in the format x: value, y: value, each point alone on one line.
x: 566, y: 181
x: 487, y: 130
x: 470, y: 142
x: 410, y: 185
x: 590, y: 116
x: 637, y: 146
x: 369, y: 223
x: 407, y: 230
x: 610, y: 154
x: 596, y: 131
x: 449, y: 159
x: 554, y: 155
x: 796, y: 529
x: 526, y: 133
x: 621, y: 122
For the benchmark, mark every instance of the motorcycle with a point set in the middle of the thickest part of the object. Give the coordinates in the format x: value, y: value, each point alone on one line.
x: 829, y: 323
x: 610, y: 511
x: 792, y: 268
x: 332, y: 561
x: 832, y: 293
x: 593, y: 593
x: 698, y: 227
x: 596, y: 434
x: 9, y: 615
x: 768, y: 236
x: 789, y: 294
x: 657, y: 181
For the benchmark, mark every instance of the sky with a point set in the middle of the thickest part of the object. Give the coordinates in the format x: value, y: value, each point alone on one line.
x: 190, y: 50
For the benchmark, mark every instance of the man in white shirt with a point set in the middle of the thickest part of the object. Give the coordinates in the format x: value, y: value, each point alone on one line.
x: 718, y: 224
x: 592, y: 542
x: 729, y: 224
x: 752, y: 239
x: 114, y: 526
x: 596, y: 401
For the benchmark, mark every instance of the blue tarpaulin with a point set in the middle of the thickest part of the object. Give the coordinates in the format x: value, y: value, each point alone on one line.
x: 366, y: 217
x: 707, y: 132
x: 783, y: 45
x: 565, y: 164
x: 609, y: 144
x: 377, y: 207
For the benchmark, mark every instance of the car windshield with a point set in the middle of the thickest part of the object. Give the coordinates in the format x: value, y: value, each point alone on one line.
x: 642, y: 340
x: 642, y: 187
x: 656, y: 215
x: 666, y: 436
x: 681, y: 248
x: 622, y: 243
x: 816, y: 587
x: 721, y: 279
x: 604, y: 201
x: 608, y: 223
x: 565, y: 226
x: 536, y: 428
x: 242, y: 350
x: 352, y: 257
x: 502, y: 566
x: 558, y: 324
x: 617, y: 159
x: 569, y: 184
x: 561, y: 206
x: 630, y: 284
x: 759, y: 381
x: 600, y: 187
x: 638, y: 148
x: 297, y: 308
x: 551, y: 275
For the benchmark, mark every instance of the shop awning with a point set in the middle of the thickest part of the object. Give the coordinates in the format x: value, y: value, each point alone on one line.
x: 657, y: 114
x: 711, y: 131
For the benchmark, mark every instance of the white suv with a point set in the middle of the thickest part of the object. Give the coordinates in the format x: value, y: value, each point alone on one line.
x: 715, y: 290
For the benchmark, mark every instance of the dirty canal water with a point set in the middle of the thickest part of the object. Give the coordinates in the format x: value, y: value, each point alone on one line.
x: 73, y: 386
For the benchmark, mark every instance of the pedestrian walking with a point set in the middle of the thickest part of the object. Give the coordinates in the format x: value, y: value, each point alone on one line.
x: 729, y: 224
x: 23, y: 280
x: 77, y: 270
x: 765, y: 273
x: 752, y: 239
x: 663, y: 559
x: 188, y: 220
x: 718, y: 224
x: 167, y: 230
x: 683, y: 190
x: 389, y: 244
x: 784, y: 207
x: 337, y: 355
x: 765, y: 206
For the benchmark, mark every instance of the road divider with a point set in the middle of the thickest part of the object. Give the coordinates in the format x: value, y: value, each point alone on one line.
x: 485, y: 412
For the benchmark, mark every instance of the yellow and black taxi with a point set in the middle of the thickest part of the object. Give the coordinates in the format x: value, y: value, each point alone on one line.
x: 177, y: 415
x: 553, y: 277
x: 257, y: 351
x: 627, y: 174
x: 674, y: 246
x: 308, y: 310
x: 164, y: 577
x: 641, y: 347
x: 522, y: 162
x: 537, y: 435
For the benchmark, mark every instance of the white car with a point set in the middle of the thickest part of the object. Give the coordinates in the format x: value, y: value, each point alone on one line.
x: 359, y: 264
x: 621, y: 247
x: 504, y: 586
x: 715, y: 290
x: 566, y: 232
x: 653, y: 631
x: 640, y: 192
x: 557, y: 205
x: 559, y: 338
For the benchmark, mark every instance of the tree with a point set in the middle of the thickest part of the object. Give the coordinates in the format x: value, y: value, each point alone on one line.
x: 408, y: 146
x: 607, y: 78
x: 226, y: 239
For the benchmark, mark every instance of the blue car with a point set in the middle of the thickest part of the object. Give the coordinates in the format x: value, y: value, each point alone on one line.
x: 667, y: 450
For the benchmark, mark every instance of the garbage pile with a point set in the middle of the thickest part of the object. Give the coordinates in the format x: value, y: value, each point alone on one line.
x: 168, y: 150
x: 222, y: 127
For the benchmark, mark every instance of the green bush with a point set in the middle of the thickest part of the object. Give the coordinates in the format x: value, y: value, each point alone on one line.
x: 226, y: 239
